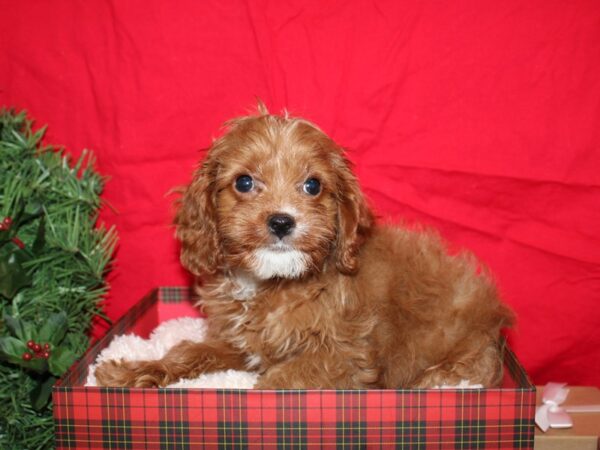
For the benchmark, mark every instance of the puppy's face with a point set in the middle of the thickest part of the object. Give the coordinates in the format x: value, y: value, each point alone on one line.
x: 274, y: 197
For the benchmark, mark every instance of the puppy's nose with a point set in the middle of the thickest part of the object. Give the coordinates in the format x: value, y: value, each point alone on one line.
x: 281, y: 224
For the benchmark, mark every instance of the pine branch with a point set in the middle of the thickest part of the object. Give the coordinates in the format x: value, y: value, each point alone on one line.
x: 53, y: 261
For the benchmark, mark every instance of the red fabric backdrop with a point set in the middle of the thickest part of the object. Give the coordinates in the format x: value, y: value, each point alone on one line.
x: 479, y: 118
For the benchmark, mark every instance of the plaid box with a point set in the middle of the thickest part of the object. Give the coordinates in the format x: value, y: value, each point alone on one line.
x: 133, y: 418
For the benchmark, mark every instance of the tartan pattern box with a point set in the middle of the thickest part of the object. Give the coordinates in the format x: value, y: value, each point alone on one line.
x: 135, y: 418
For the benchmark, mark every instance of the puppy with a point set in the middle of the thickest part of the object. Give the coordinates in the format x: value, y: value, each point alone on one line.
x: 300, y: 285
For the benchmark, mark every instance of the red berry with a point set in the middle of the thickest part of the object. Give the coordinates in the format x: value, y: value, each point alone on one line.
x: 19, y: 242
x: 27, y: 356
x: 30, y: 344
x: 7, y: 221
x: 46, y: 346
x: 37, y: 348
x: 46, y: 355
x: 2, y: 226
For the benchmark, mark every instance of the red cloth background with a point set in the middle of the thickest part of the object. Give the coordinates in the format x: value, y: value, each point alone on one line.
x: 481, y: 119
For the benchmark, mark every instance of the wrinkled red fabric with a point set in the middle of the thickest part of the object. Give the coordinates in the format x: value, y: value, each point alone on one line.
x: 481, y: 119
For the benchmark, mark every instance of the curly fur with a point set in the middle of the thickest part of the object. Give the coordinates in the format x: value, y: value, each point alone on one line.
x: 364, y: 305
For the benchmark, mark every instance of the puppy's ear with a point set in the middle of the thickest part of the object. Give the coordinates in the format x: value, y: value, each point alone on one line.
x: 196, y: 222
x: 355, y: 219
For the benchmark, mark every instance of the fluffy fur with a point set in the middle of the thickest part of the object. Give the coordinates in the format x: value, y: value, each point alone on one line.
x: 339, y: 302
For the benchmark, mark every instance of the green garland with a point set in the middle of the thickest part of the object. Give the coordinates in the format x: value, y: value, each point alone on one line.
x: 53, y: 260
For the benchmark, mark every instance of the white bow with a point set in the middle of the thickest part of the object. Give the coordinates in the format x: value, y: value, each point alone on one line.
x: 551, y: 414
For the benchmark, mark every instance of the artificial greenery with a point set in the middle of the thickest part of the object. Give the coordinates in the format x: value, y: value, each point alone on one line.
x: 53, y: 260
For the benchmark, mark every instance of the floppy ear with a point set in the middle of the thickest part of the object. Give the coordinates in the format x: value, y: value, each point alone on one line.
x: 355, y: 219
x: 196, y: 222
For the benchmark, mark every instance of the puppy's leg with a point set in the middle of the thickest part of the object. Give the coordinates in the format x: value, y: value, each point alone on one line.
x: 186, y: 360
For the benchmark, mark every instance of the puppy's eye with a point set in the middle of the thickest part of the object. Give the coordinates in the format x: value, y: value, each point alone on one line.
x: 244, y: 183
x: 312, y: 186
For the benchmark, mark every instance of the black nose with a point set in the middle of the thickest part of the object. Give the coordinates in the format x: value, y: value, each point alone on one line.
x: 281, y: 224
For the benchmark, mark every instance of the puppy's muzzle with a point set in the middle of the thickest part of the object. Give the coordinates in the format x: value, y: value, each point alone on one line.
x: 281, y: 225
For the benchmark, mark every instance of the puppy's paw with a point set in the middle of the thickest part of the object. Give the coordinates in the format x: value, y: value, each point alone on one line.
x: 142, y: 374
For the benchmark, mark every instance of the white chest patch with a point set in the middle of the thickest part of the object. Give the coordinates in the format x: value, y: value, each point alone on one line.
x: 284, y: 263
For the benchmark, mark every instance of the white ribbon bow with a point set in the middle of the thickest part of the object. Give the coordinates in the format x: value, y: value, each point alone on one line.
x: 551, y: 414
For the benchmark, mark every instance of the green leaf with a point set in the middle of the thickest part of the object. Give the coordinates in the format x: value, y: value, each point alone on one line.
x: 40, y: 394
x: 54, y: 329
x: 16, y: 327
x: 60, y: 360
x: 13, y: 276
x: 12, y: 349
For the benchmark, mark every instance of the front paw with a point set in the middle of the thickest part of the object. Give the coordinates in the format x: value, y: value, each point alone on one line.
x: 140, y: 374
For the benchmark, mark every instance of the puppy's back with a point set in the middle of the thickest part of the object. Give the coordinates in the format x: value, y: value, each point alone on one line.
x: 439, y: 312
